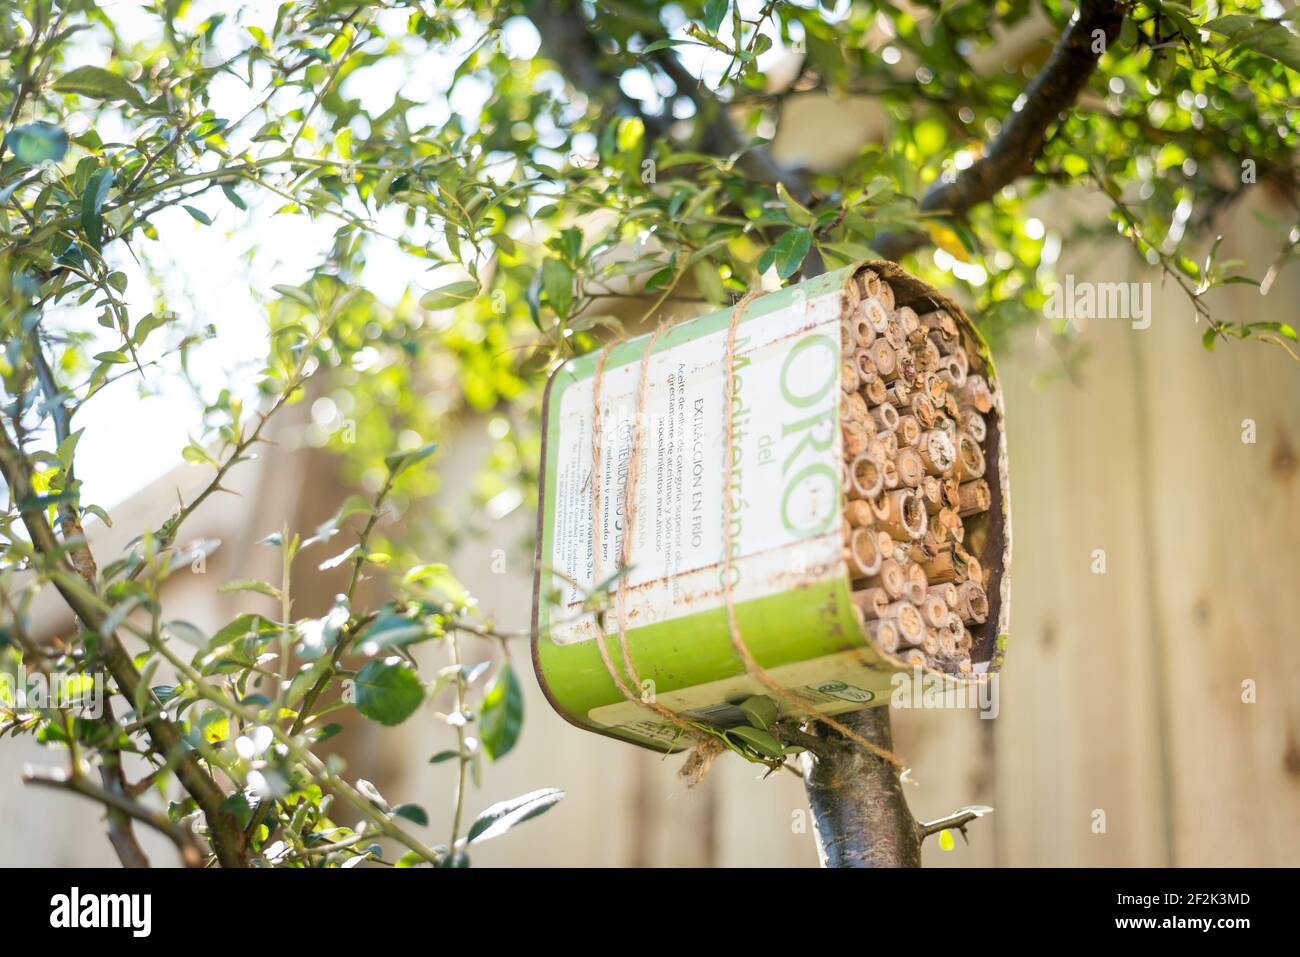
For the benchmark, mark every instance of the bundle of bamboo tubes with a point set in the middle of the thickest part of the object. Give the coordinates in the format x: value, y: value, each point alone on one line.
x: 914, y: 428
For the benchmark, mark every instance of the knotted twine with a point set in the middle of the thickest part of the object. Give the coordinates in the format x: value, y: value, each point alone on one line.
x: 707, y: 746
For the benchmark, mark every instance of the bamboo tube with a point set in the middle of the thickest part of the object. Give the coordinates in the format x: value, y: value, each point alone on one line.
x: 907, y: 367
x: 950, y: 520
x: 970, y: 460
x: 909, y: 431
x: 876, y: 315
x: 885, y: 416
x: 916, y: 583
x: 974, y: 497
x: 873, y: 389
x: 866, y: 479
x: 911, y: 470
x: 935, y: 387
x: 947, y: 645
x: 884, y: 634
x: 976, y: 392
x: 951, y: 492
x: 889, y: 443
x: 907, y: 620
x: 886, y: 296
x: 869, y: 284
x: 897, y: 393
x: 895, y: 334
x: 946, y: 593
x: 857, y: 438
x: 871, y: 601
x: 937, y: 452
x: 928, y: 354
x: 892, y: 579
x: 935, y: 610
x: 859, y: 513
x: 889, y: 477
x: 855, y: 409
x: 905, y: 516
x: 864, y: 333
x: 975, y: 425
x: 942, y: 567
x: 911, y: 321
x: 862, y: 358
x: 956, y: 368
x: 850, y: 378
x: 974, y: 603
x: 885, y: 542
x: 865, y: 552
x: 969, y: 567
x: 941, y: 321
x: 885, y: 359
x: 964, y: 665
x: 923, y: 409
x: 931, y: 643
x: 913, y: 658
x: 932, y: 493
x: 965, y: 642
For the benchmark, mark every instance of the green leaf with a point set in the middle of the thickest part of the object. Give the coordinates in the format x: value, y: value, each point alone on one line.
x: 92, y: 201
x: 1208, y: 338
x: 557, y: 283
x: 451, y: 295
x: 502, y: 713
x: 399, y: 462
x: 504, y: 815
x: 392, y: 631
x: 665, y: 44
x: 759, y: 740
x: 715, y: 11
x: 442, y: 756
x: 789, y: 251
x: 34, y: 143
x: 760, y: 710
x: 1268, y: 38
x: 99, y: 84
x: 234, y: 197
x: 798, y: 212
x: 199, y: 215
x: 251, y: 584
x: 388, y: 691
x: 413, y: 813
x: 299, y: 295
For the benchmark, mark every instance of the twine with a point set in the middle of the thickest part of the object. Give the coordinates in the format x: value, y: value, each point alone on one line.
x: 707, y: 746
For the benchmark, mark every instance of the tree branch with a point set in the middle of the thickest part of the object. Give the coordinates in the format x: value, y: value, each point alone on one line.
x: 117, y: 803
x: 859, y: 813
x: 957, y: 819
x: 1012, y: 153
x: 227, y: 837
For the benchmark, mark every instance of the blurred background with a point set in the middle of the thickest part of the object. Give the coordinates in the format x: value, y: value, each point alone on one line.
x: 1149, y: 714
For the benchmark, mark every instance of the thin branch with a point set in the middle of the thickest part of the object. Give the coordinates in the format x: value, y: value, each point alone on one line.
x: 957, y: 819
x: 1012, y: 153
x: 117, y: 803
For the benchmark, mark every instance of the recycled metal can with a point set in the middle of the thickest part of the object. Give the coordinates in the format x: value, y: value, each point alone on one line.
x: 790, y: 577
